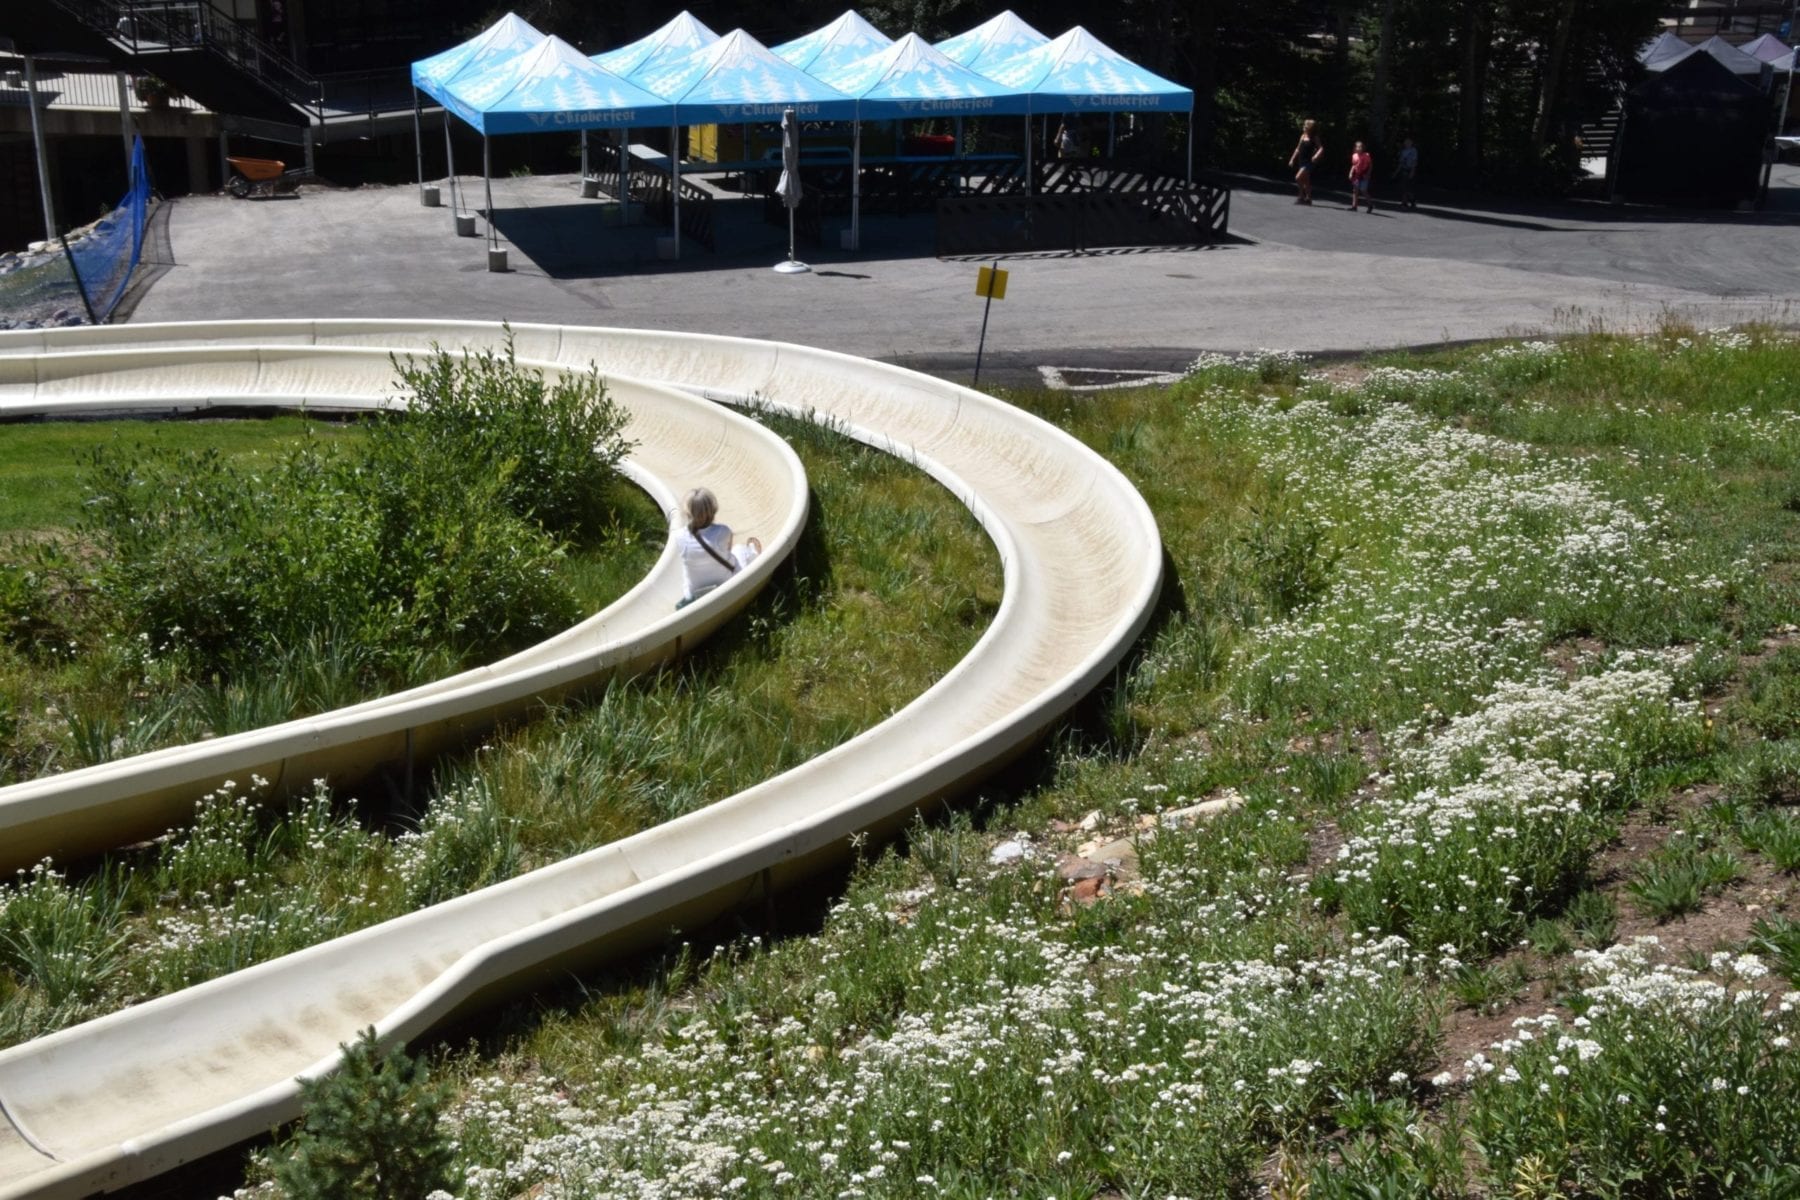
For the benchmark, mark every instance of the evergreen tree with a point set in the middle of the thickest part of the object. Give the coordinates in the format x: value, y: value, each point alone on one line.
x: 369, y: 1131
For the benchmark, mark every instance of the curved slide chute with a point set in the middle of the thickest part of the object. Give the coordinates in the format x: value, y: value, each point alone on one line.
x: 125, y: 1096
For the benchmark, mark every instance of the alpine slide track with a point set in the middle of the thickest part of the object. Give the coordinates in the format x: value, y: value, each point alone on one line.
x: 125, y: 1096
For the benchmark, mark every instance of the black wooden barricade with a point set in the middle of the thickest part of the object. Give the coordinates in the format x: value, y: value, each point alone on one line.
x: 1077, y: 218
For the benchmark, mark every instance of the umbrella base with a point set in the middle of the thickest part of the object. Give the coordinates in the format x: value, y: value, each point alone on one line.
x: 790, y: 267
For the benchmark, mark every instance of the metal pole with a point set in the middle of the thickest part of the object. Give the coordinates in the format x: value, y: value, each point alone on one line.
x: 1029, y: 189
x: 1781, y: 121
x: 1190, y: 164
x: 418, y: 142
x: 37, y: 141
x: 487, y: 183
x: 125, y: 121
x: 675, y: 184
x: 584, y: 161
x: 985, y: 310
x: 450, y: 171
x: 624, y: 177
x: 856, y: 188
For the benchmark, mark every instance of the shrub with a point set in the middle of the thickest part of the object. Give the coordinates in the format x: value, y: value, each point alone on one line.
x: 442, y: 529
x: 370, y: 1131
x: 554, y: 444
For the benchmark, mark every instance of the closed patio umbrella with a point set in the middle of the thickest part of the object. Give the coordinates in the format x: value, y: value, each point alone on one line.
x: 788, y: 186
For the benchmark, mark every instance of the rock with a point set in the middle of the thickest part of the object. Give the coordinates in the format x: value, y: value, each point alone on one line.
x: 1090, y: 822
x: 1087, y: 891
x: 1123, y: 852
x: 1008, y: 852
x: 1193, y: 814
x: 1072, y: 867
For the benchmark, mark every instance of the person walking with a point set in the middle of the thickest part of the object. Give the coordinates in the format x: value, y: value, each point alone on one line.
x: 1362, y: 167
x: 1305, y: 156
x: 1408, y: 173
x: 1068, y: 141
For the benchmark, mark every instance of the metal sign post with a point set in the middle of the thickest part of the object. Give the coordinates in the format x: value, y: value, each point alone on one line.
x: 991, y: 282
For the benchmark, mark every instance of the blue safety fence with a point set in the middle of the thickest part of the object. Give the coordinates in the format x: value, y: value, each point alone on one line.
x: 104, y: 259
x: 79, y: 279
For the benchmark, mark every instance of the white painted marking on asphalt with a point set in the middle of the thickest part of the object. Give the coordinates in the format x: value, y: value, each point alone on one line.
x: 1056, y: 380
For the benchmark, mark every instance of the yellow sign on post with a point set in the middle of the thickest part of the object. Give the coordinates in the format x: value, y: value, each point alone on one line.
x: 991, y: 283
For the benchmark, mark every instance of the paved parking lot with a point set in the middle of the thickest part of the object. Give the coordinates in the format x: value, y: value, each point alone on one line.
x: 1317, y: 279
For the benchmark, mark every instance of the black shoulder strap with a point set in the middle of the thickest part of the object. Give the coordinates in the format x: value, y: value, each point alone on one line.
x: 705, y: 545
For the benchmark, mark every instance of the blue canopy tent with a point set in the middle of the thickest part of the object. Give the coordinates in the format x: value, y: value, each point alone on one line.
x: 991, y: 42
x: 551, y: 87
x: 1077, y: 72
x: 737, y: 78
x: 681, y: 36
x: 912, y: 79
x: 506, y: 38
x: 835, y: 46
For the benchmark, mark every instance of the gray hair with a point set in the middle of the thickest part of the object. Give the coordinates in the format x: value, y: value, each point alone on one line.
x: 701, y: 507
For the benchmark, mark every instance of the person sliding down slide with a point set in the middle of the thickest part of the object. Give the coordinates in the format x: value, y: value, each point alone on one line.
x: 707, y: 556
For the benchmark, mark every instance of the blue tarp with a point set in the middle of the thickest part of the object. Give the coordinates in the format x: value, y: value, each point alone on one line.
x: 506, y: 38
x: 834, y: 46
x: 679, y: 38
x: 991, y: 42
x: 553, y: 86
x: 1077, y: 72
x: 737, y: 79
x: 911, y: 79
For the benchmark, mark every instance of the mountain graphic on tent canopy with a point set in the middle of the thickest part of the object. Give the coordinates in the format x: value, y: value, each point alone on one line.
x: 991, y: 42
x: 681, y: 36
x: 833, y: 46
x: 911, y: 69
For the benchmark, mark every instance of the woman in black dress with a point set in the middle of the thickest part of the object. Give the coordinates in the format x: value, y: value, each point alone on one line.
x: 1308, y: 152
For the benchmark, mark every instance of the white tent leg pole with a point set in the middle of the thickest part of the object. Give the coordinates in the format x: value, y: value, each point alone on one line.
x: 37, y: 141
x: 675, y: 184
x: 487, y: 183
x: 584, y: 157
x: 1029, y: 190
x: 1190, y: 164
x: 856, y: 188
x: 624, y: 176
x: 450, y: 171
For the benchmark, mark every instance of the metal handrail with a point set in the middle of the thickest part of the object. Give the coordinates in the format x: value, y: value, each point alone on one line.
x: 152, y: 26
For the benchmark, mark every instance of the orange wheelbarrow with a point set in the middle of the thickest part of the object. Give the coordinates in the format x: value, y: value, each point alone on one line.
x: 260, y: 177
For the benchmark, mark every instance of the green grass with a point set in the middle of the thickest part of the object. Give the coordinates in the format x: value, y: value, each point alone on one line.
x: 1441, y: 636
x: 246, y: 882
x: 41, y: 462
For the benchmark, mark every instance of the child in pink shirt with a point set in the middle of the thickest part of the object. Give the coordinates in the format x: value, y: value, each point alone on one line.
x: 1362, y: 167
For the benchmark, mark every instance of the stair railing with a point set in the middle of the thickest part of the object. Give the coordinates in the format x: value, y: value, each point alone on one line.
x: 163, y: 26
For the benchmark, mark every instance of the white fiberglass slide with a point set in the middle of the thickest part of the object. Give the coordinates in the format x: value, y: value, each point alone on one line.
x: 679, y: 442
x: 125, y: 1096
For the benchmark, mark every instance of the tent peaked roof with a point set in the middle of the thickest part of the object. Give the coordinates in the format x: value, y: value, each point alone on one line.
x: 554, y: 86
x: 681, y: 36
x: 737, y: 78
x: 1770, y: 49
x: 994, y: 40
x: 1664, y: 51
x: 1730, y: 57
x: 1078, y: 72
x: 910, y: 78
x: 506, y: 38
x: 836, y: 45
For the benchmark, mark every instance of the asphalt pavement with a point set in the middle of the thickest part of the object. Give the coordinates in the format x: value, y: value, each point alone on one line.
x: 1317, y: 279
